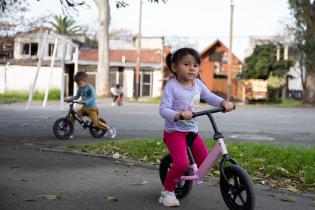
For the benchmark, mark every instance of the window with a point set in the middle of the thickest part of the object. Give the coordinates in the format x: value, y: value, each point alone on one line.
x: 50, y: 49
x: 34, y: 48
x: 88, y: 68
x: 25, y: 49
x: 116, y: 75
x: 29, y: 48
x: 217, y: 67
x: 145, y: 80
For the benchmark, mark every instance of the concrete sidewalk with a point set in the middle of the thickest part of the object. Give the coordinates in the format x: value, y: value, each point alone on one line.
x: 30, y: 178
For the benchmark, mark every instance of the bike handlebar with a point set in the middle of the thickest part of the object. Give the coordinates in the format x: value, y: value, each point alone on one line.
x: 209, y: 111
x: 76, y: 102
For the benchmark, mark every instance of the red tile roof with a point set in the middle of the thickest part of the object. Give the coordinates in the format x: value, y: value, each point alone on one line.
x: 213, y: 44
x: 147, y: 56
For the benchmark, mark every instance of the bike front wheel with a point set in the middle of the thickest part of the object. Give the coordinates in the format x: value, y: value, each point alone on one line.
x: 237, y: 189
x: 98, y: 132
x: 63, y: 128
x: 183, y: 187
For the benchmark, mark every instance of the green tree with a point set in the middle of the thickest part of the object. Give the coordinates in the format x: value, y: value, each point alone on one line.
x: 65, y: 25
x: 263, y: 62
x: 304, y: 13
x: 12, y: 17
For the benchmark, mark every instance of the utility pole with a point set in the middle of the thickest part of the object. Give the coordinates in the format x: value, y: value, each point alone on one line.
x: 228, y: 92
x: 286, y: 42
x: 138, y: 54
x: 286, y: 32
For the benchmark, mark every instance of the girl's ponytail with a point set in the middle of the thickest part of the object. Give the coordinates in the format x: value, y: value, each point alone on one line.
x: 168, y: 61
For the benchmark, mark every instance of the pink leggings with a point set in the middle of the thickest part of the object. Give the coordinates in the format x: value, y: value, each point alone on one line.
x: 176, y: 144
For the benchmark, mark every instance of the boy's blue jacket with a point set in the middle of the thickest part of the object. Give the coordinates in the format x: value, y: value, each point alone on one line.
x: 88, y: 96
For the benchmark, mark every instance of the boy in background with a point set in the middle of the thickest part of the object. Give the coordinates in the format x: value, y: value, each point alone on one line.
x: 88, y: 99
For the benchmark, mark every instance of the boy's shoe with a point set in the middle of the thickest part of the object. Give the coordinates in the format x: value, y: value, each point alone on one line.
x: 168, y: 199
x: 111, y: 133
x: 71, y: 136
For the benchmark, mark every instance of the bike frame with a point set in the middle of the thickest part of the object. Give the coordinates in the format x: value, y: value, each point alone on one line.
x: 71, y: 112
x: 218, y: 150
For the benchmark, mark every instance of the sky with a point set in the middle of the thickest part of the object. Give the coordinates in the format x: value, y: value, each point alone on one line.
x: 201, y: 21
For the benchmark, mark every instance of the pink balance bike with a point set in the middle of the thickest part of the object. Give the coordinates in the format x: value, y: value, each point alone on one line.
x: 235, y: 184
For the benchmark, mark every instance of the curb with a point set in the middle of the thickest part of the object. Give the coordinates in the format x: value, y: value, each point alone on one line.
x: 126, y: 162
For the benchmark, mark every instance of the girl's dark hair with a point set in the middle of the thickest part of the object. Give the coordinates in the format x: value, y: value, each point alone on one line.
x: 179, y: 54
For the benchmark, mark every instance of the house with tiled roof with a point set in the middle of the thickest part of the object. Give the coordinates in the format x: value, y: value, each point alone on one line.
x: 122, y: 69
x: 27, y: 50
x: 21, y: 62
x: 214, y: 69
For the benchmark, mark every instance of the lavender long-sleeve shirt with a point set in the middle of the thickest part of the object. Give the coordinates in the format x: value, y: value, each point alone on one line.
x: 177, y: 98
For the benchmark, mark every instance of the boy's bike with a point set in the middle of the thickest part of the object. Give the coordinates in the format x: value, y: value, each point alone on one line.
x: 63, y: 128
x: 235, y: 184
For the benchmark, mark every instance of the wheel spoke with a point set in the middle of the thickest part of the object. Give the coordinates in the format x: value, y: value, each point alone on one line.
x: 237, y: 192
x: 60, y: 126
x: 241, y: 198
x: 234, y: 197
x: 236, y: 182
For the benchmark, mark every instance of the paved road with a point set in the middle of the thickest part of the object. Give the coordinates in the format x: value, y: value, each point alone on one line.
x: 249, y: 123
x: 28, y: 175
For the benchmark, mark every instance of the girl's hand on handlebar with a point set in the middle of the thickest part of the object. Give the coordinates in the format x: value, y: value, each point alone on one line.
x: 228, y: 106
x: 185, y: 115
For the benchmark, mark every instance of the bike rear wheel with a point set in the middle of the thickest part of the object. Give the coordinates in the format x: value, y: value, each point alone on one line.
x: 183, y: 187
x: 97, y: 132
x: 63, y: 128
x: 237, y: 189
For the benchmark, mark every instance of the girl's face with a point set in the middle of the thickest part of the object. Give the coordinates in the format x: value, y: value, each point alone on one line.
x: 186, y: 69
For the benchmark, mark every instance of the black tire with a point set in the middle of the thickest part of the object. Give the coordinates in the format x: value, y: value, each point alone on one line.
x: 238, y: 193
x: 63, y: 128
x: 97, y: 132
x: 183, y: 187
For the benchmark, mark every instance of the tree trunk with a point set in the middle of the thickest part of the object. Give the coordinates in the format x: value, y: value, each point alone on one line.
x: 309, y: 92
x: 102, y: 75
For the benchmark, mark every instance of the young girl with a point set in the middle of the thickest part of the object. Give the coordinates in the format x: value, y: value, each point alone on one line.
x: 181, y: 97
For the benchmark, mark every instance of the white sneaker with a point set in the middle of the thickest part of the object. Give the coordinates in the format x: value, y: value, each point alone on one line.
x: 112, y: 133
x: 168, y: 199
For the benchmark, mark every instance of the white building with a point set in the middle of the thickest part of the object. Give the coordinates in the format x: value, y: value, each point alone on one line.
x: 19, y: 73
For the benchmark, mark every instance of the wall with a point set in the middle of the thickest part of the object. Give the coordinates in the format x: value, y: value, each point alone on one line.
x: 157, y: 83
x: 21, y: 78
x: 150, y: 42
x: 128, y: 82
x: 295, y: 83
x: 206, y: 72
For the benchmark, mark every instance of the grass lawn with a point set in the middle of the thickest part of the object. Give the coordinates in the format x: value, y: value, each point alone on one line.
x: 287, y: 167
x: 54, y: 94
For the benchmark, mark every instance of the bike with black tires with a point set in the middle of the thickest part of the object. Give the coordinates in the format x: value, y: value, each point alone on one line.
x: 63, y: 128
